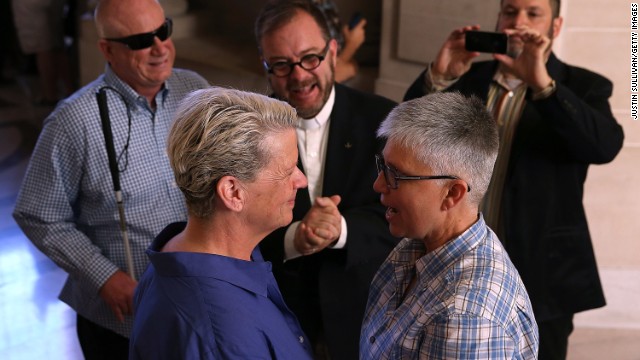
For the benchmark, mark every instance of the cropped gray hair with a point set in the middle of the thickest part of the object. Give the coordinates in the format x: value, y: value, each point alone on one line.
x: 451, y: 133
x: 219, y: 132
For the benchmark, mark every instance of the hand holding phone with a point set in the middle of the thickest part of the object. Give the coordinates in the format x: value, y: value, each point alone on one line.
x: 355, y: 19
x: 486, y: 42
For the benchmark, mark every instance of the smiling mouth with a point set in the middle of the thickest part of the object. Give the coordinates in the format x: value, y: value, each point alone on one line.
x: 158, y: 62
x: 304, y: 88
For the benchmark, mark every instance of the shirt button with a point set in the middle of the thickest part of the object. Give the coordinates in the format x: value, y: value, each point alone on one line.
x: 301, y: 339
x: 372, y: 339
x: 313, y: 154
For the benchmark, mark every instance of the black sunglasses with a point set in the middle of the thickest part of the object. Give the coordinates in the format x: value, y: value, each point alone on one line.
x: 145, y: 40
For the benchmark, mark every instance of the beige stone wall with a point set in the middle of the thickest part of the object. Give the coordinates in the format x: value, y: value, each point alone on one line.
x: 596, y: 36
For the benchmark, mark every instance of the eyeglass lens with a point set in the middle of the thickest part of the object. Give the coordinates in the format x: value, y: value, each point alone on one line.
x: 387, y: 172
x: 307, y: 62
x: 146, y: 40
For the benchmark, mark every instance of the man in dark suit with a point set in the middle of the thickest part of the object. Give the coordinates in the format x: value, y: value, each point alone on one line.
x: 554, y: 121
x: 325, y: 261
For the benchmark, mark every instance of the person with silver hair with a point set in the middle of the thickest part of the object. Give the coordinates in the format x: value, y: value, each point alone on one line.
x: 449, y: 289
x: 208, y: 293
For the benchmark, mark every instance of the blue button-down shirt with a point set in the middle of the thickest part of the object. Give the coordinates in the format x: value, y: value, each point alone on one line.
x: 206, y: 306
x: 66, y: 205
x: 468, y: 302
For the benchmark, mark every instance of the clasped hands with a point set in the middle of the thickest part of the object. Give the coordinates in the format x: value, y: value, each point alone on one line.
x: 320, y: 227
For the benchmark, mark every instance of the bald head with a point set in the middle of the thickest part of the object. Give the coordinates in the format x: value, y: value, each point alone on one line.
x: 119, y: 18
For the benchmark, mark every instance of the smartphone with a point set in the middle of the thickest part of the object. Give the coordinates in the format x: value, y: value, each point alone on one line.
x: 355, y: 19
x: 486, y: 42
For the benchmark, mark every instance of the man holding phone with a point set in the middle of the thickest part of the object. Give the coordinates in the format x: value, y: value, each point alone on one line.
x: 554, y: 121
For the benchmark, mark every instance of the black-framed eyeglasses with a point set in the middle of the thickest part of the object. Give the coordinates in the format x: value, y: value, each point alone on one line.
x: 391, y: 175
x: 307, y: 62
x: 146, y: 40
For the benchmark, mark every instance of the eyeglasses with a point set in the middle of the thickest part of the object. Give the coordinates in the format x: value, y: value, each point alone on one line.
x: 146, y: 40
x: 391, y: 175
x: 307, y: 62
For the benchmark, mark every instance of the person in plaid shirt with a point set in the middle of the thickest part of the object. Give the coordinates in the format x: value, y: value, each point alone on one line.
x: 448, y: 290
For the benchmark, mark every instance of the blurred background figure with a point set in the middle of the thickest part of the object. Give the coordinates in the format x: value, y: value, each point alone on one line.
x: 349, y: 37
x: 9, y: 49
x: 40, y: 26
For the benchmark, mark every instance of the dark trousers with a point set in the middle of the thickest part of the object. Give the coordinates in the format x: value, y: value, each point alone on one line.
x: 554, y: 338
x: 99, y: 343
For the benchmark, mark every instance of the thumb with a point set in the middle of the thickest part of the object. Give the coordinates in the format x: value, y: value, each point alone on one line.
x: 336, y: 199
x: 504, y: 60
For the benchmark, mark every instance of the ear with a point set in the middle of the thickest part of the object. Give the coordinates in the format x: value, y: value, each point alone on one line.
x: 333, y: 49
x: 556, y: 24
x: 231, y: 193
x: 457, y: 192
x: 105, y: 49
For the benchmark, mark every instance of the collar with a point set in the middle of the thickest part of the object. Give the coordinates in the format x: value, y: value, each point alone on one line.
x: 130, y: 96
x: 322, y: 117
x: 433, y: 263
x: 510, y: 84
x: 252, y: 276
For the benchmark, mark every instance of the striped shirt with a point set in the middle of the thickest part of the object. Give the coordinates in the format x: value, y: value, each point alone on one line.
x: 66, y: 205
x: 468, y: 302
x: 505, y: 101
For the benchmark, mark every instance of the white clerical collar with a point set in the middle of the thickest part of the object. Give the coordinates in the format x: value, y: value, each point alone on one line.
x: 322, y: 117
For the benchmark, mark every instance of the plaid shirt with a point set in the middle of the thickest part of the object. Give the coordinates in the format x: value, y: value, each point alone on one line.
x: 67, y: 206
x: 468, y: 302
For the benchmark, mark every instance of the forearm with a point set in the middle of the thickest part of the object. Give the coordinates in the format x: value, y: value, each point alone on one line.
x: 68, y: 248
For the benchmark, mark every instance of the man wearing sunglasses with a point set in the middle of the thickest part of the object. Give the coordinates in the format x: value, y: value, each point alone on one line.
x: 66, y: 205
x: 325, y: 260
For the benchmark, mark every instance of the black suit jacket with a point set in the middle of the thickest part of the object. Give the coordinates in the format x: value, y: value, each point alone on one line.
x: 329, y: 290
x: 546, y: 232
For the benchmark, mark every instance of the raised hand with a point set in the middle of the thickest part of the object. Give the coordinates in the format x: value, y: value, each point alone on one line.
x: 529, y: 65
x: 453, y: 60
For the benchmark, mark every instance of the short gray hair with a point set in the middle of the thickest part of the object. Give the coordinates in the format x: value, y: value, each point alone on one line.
x: 220, y: 132
x: 451, y: 133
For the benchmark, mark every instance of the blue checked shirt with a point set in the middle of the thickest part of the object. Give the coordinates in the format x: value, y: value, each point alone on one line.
x: 67, y: 206
x: 468, y: 302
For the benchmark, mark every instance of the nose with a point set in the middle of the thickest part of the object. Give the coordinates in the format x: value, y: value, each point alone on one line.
x: 158, y: 47
x: 380, y: 184
x: 298, y: 72
x: 299, y: 180
x: 520, y: 19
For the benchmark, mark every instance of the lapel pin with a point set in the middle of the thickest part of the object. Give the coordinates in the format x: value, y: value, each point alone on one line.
x: 348, y: 145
